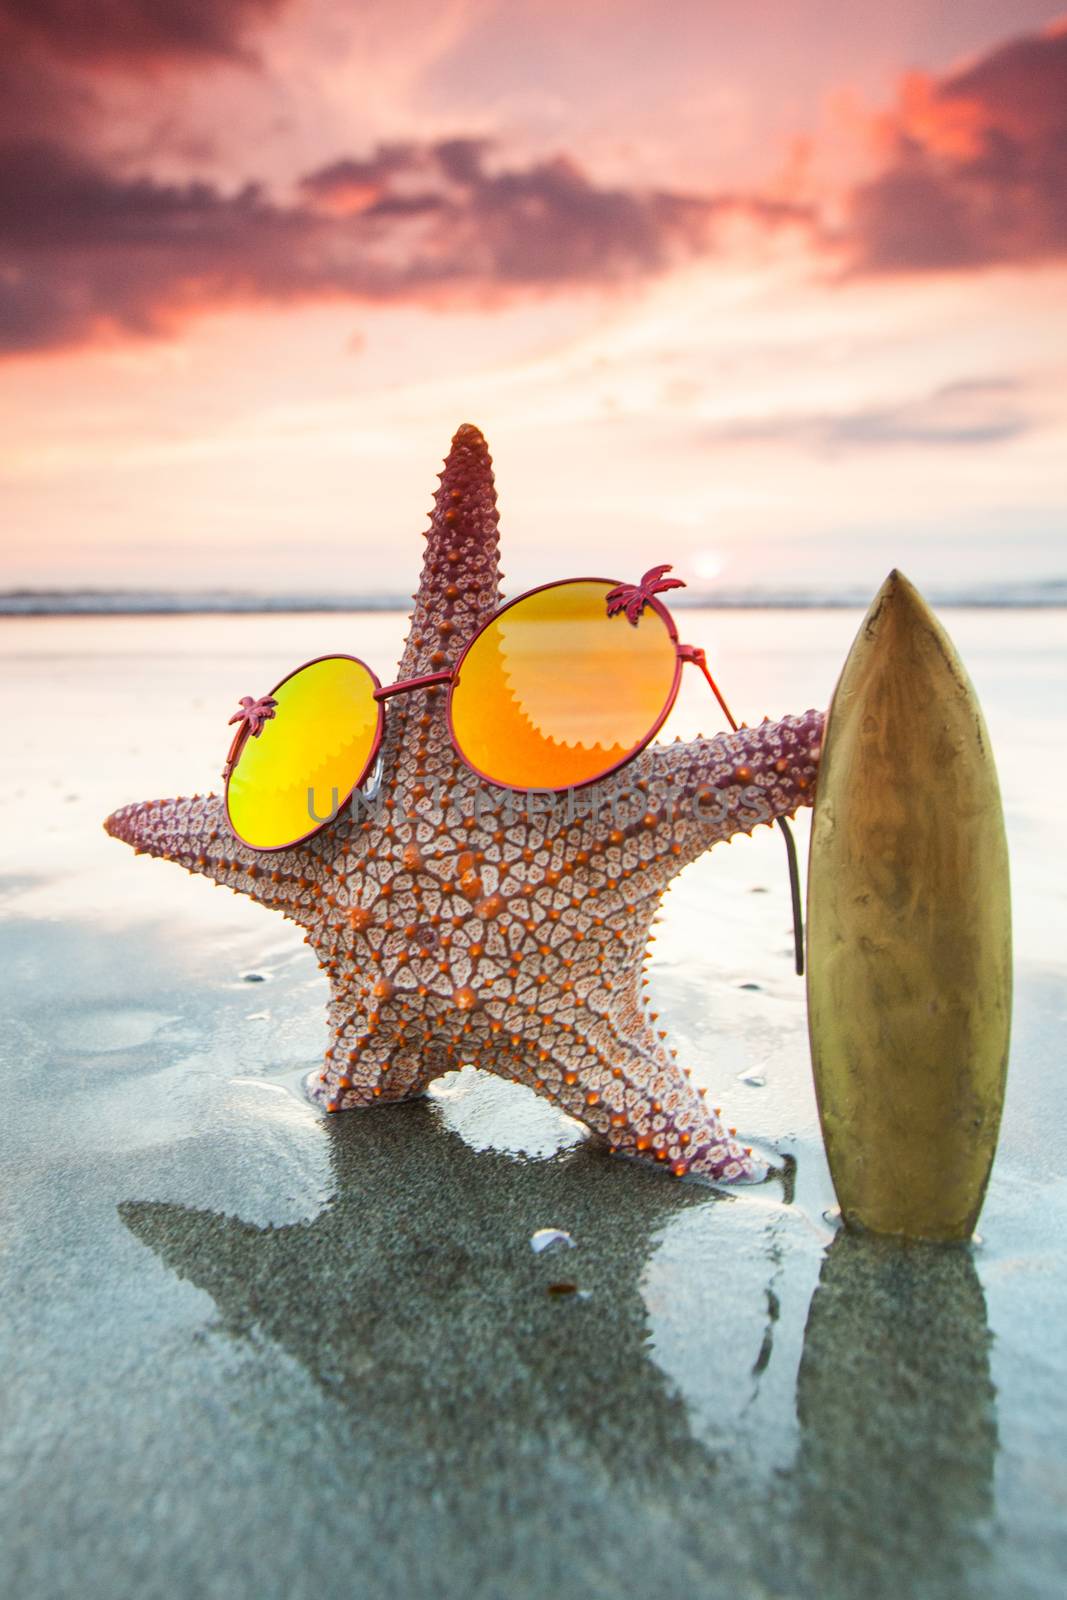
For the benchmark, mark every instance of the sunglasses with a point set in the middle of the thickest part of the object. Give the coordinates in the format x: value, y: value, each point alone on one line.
x: 558, y: 689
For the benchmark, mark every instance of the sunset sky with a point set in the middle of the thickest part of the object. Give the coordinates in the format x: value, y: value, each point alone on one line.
x: 777, y: 292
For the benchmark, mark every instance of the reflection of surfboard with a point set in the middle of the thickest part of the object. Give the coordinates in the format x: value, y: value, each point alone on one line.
x: 909, y: 931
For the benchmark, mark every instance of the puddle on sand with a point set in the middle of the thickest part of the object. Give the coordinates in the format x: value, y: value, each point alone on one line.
x: 100, y: 1029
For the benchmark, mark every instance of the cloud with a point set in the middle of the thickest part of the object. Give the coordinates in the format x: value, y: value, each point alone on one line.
x: 976, y: 166
x: 973, y: 171
x: 981, y: 411
x: 59, y: 58
x: 134, y: 30
x: 544, y: 224
x: 86, y: 253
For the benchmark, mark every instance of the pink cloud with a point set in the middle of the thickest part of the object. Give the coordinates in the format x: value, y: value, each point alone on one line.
x: 973, y: 171
x: 87, y: 253
x: 976, y: 166
x: 134, y: 30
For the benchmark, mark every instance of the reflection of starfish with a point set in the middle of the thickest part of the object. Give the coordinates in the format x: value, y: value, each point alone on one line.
x: 454, y: 930
x: 416, y: 1290
x: 524, y: 1427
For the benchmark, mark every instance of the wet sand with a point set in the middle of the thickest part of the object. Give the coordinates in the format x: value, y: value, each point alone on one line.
x: 251, y: 1352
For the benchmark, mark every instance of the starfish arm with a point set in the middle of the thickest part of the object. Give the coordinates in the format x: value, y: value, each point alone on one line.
x: 458, y: 590
x: 195, y: 834
x: 377, y: 1052
x: 460, y: 582
x: 610, y: 1072
x: 706, y: 790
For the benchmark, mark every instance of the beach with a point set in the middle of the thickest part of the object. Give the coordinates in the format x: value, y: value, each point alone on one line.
x: 251, y: 1351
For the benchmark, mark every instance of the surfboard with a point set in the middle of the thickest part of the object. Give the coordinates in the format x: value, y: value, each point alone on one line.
x: 909, y: 931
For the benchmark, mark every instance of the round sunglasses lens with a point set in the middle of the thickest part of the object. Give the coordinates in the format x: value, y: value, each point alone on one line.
x: 553, y: 692
x: 308, y: 757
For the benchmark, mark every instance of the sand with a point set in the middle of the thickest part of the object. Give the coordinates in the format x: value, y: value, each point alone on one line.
x: 249, y: 1352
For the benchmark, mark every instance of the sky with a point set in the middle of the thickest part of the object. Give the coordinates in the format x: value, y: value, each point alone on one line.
x: 774, y: 292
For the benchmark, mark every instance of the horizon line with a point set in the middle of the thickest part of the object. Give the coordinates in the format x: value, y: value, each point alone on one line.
x: 1038, y: 593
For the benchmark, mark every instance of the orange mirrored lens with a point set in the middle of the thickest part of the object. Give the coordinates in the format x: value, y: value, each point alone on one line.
x: 308, y: 757
x: 554, y: 692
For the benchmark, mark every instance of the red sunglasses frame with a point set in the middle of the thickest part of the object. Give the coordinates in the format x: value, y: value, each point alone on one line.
x: 451, y: 676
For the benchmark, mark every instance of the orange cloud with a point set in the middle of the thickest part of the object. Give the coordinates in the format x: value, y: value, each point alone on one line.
x: 975, y: 166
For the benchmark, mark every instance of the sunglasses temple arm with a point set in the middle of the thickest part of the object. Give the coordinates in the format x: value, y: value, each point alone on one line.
x: 787, y: 835
x: 794, y: 894
x: 727, y: 713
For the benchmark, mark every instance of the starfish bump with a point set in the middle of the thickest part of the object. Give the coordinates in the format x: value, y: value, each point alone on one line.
x: 456, y: 928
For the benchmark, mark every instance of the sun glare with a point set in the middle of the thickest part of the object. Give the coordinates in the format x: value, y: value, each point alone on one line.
x: 708, y: 564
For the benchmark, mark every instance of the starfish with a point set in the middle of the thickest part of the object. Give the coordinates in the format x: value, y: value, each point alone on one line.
x: 456, y: 928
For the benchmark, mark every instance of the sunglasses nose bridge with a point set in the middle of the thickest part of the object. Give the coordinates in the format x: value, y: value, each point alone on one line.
x: 405, y: 685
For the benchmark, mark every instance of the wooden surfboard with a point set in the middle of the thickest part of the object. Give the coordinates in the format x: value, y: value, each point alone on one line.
x: 909, y: 931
